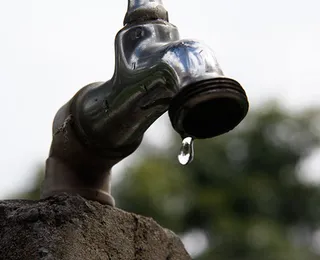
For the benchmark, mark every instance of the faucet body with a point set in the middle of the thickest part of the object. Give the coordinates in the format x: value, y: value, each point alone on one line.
x: 154, y: 71
x: 152, y: 65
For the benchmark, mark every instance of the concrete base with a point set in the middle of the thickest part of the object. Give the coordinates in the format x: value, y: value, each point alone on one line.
x: 67, y: 227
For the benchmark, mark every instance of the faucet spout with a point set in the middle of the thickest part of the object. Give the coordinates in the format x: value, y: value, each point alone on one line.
x: 155, y: 71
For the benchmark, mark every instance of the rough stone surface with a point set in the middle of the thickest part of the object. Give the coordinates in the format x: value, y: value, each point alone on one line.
x: 68, y: 227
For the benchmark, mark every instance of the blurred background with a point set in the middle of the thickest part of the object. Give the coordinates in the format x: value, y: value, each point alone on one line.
x: 250, y: 194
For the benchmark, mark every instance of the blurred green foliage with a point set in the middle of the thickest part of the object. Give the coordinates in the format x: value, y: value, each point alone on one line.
x: 242, y: 192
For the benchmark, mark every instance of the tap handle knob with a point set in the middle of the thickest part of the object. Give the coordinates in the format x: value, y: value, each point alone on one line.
x: 145, y: 10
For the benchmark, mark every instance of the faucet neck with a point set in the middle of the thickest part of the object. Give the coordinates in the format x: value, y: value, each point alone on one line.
x: 145, y: 10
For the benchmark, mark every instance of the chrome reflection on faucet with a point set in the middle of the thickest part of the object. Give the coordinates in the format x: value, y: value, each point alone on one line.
x: 155, y: 72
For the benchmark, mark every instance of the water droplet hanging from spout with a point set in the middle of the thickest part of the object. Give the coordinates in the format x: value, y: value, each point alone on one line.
x: 186, y: 152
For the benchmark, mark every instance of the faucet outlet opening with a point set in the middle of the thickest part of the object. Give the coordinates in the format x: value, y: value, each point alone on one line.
x: 208, y: 108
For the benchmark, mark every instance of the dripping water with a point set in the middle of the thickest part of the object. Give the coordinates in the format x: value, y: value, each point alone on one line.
x: 186, y: 152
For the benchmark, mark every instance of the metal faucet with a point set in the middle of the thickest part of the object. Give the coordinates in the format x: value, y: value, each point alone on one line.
x: 155, y: 72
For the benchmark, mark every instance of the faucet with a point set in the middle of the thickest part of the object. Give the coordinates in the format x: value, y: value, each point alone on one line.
x: 155, y: 71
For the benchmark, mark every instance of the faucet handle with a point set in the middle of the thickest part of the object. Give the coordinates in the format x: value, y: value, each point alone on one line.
x: 145, y: 10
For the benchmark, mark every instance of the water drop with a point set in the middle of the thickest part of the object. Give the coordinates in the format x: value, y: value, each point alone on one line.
x: 186, y: 152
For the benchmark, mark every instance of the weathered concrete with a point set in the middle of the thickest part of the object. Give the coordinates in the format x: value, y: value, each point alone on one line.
x: 68, y: 227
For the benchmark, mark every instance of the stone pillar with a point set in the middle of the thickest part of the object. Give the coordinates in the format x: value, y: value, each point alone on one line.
x: 66, y: 227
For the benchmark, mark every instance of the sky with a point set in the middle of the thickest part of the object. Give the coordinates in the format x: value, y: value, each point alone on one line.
x: 50, y: 49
